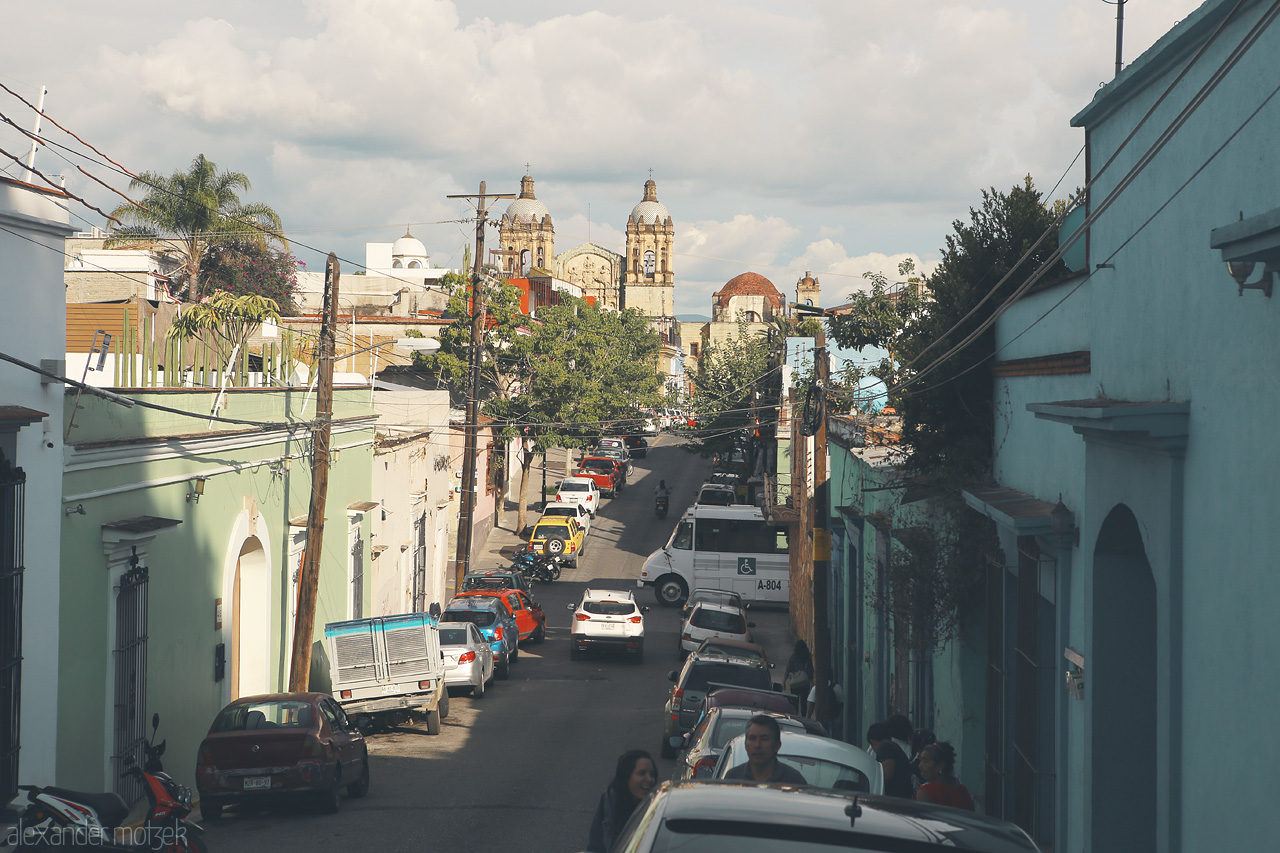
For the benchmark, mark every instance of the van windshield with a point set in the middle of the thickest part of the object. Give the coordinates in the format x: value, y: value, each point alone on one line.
x: 682, y: 538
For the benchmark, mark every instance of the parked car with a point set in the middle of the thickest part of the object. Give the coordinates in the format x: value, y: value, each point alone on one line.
x: 707, y: 620
x: 607, y: 618
x: 703, y: 745
x: 495, y: 623
x: 497, y: 579
x: 579, y: 490
x: 738, y: 648
x: 468, y: 660
x: 619, y: 454
x: 766, y: 818
x: 638, y: 445
x: 578, y: 512
x: 607, y: 473
x: 281, y: 745
x: 714, y: 495
x: 715, y: 596
x: 617, y: 443
x: 699, y: 675
x: 384, y: 668
x: 559, y: 537
x: 823, y: 761
x: 531, y: 621
x: 764, y: 700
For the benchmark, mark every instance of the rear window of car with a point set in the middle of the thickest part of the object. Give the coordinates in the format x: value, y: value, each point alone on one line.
x: 706, y: 672
x: 479, y: 618
x: 556, y: 511
x: 718, y: 620
x: 485, y: 582
x: 574, y: 487
x: 731, y: 727
x: 729, y: 598
x: 453, y: 636
x: 754, y: 654
x: 597, y: 465
x: 609, y: 608
x: 263, y: 715
x: 547, y: 531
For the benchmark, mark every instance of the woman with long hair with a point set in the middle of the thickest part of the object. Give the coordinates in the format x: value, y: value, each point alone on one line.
x: 798, y: 676
x: 633, y: 779
x: 938, y: 768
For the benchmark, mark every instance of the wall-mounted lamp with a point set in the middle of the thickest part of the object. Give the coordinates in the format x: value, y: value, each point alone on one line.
x: 197, y: 490
x: 1247, y: 243
x: 78, y: 509
x: 1062, y: 522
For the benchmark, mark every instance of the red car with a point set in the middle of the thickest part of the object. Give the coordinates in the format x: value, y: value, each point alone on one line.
x: 265, y: 748
x: 531, y: 622
x: 609, y: 474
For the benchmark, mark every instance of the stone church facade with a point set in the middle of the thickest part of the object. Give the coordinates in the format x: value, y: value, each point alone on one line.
x: 643, y: 278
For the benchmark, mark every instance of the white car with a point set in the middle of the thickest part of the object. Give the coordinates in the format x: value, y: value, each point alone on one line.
x: 708, y: 620
x: 607, y: 618
x: 823, y: 761
x: 579, y: 490
x: 468, y: 659
x: 571, y: 510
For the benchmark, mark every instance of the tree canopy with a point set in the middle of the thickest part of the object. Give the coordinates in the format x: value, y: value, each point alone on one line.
x: 185, y: 214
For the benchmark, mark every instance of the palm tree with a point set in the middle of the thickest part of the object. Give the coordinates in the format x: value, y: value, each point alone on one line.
x: 184, y: 214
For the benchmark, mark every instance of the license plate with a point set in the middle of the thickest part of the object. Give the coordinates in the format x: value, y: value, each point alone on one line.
x: 257, y: 783
x: 611, y: 627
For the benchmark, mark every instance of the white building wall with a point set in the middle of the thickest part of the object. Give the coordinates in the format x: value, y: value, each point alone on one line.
x: 33, y: 226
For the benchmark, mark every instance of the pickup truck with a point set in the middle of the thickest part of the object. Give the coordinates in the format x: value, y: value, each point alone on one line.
x: 608, y: 473
x: 387, y: 666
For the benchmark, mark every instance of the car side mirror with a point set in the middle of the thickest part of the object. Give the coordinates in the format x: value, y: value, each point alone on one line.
x: 751, y: 624
x: 676, y: 741
x: 644, y: 609
x: 777, y: 688
x: 672, y: 675
x: 571, y: 606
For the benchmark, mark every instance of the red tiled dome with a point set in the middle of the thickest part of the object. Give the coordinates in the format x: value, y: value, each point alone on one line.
x: 749, y: 284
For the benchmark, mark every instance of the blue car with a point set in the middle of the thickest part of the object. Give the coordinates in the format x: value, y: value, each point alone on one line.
x: 497, y: 626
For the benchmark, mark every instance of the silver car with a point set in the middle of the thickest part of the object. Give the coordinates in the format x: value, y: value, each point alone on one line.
x: 468, y: 659
x: 618, y: 453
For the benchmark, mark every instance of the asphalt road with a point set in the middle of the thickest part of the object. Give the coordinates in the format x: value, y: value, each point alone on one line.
x: 522, y: 768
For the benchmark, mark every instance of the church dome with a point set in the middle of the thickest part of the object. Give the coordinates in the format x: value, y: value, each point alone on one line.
x: 409, y: 248
x: 526, y: 208
x: 748, y: 284
x: 650, y: 211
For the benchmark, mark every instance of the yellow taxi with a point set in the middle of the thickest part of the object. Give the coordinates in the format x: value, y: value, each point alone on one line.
x: 559, y: 536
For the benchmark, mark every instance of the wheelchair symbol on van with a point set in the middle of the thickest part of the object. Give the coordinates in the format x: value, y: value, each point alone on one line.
x: 746, y: 565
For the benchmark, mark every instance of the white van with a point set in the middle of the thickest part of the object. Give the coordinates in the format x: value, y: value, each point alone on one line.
x: 721, y: 547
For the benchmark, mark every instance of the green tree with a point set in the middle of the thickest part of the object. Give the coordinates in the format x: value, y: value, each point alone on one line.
x: 225, y: 321
x: 185, y: 214
x: 878, y: 317
x: 245, y: 268
x: 735, y: 383
x: 505, y: 345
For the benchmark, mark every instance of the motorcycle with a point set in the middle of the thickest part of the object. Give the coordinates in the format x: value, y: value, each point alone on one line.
x: 660, y: 506
x: 59, y: 818
x: 539, y: 567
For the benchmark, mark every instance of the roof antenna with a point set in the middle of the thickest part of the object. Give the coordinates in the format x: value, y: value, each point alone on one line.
x: 1119, y: 4
x: 853, y: 810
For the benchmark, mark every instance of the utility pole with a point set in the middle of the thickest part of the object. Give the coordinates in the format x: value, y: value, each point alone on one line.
x: 467, y: 506
x: 309, y: 579
x: 821, y: 538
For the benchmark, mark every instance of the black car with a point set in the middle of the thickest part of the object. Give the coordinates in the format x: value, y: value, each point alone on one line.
x: 637, y: 445
x: 701, y: 674
x: 715, y: 816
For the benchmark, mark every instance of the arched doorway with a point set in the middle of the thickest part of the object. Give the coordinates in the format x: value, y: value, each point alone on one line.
x: 1122, y: 680
x: 251, y: 621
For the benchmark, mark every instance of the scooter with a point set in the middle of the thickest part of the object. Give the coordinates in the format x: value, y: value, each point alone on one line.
x: 660, y: 506
x: 59, y: 818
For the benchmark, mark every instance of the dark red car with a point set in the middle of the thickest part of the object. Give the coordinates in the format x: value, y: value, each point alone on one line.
x: 279, y: 745
x: 531, y: 621
x: 609, y: 474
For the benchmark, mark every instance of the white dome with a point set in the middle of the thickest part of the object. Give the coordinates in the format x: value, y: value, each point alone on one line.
x: 650, y: 213
x: 409, y: 246
x: 525, y: 210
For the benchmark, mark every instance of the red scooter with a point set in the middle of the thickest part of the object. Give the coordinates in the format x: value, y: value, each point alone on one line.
x: 62, y: 819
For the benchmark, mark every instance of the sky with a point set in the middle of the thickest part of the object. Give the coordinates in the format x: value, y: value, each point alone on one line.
x: 832, y: 136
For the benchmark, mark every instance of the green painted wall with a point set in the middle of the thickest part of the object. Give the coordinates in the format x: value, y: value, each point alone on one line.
x: 250, y: 495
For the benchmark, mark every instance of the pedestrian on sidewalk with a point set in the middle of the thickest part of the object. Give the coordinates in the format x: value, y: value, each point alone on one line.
x: 894, y: 762
x: 633, y: 779
x: 797, y: 678
x: 937, y: 767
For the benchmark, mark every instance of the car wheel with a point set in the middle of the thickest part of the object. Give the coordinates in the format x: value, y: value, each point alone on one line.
x: 331, y: 799
x: 574, y: 652
x: 360, y: 787
x: 503, y: 669
x: 540, y: 634
x: 671, y: 590
x: 210, y: 809
x: 638, y: 654
x: 515, y: 655
x: 433, y: 721
x: 444, y: 706
x: 477, y: 690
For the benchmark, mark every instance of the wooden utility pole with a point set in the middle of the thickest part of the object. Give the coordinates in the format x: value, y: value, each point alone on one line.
x: 821, y: 539
x: 467, y: 506
x: 309, y: 581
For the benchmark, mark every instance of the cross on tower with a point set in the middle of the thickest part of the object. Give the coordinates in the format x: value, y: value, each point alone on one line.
x: 651, y: 174
x: 526, y: 168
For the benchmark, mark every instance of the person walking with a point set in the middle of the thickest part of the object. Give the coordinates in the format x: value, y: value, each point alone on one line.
x: 633, y: 779
x: 893, y: 761
x: 937, y: 768
x: 797, y: 678
x: 763, y: 740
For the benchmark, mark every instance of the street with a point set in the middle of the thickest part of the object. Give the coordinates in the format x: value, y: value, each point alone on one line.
x: 522, y: 767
